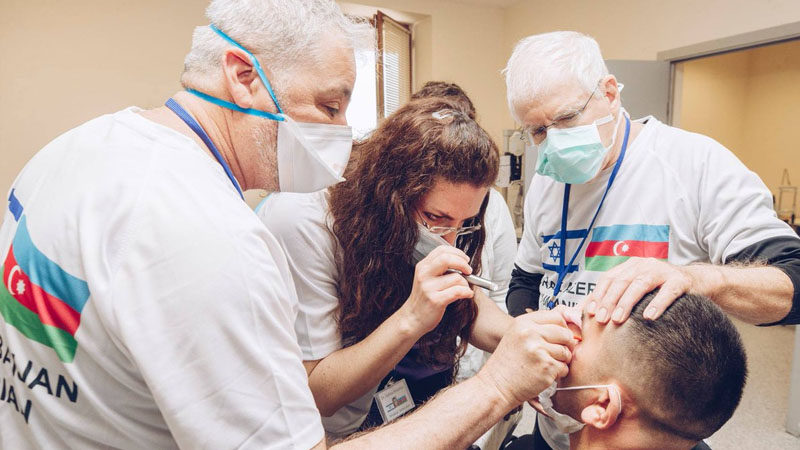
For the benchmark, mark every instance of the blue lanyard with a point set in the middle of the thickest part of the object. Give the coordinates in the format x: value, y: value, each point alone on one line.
x: 178, y: 109
x: 563, y: 269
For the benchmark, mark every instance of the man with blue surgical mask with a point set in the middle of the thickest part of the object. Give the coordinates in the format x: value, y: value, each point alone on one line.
x: 619, y: 207
x: 144, y: 305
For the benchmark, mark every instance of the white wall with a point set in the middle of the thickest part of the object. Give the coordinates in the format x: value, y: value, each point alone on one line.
x: 749, y: 101
x: 461, y: 43
x: 639, y: 29
x: 65, y: 62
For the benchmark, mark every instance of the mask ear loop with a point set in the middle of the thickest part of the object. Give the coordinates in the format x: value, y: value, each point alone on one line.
x: 255, y: 62
x: 615, y: 412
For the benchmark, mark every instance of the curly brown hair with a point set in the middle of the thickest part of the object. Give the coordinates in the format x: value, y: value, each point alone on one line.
x: 373, y: 217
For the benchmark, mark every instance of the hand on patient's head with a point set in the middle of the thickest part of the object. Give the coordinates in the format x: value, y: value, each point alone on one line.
x: 680, y: 377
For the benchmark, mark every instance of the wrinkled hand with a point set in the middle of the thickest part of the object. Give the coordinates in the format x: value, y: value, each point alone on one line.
x: 434, y: 288
x: 621, y: 288
x: 532, y: 354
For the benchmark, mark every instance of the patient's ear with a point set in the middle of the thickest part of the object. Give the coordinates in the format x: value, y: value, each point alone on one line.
x: 603, y: 412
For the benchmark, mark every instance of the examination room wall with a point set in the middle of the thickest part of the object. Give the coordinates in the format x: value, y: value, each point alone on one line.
x: 67, y: 62
x: 749, y: 101
x: 639, y: 29
x: 64, y: 63
x: 461, y: 43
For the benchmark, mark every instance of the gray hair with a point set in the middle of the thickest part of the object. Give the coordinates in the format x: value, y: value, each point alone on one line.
x: 543, y: 61
x: 283, y: 34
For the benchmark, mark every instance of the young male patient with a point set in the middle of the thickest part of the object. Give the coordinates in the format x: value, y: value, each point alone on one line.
x: 669, y: 383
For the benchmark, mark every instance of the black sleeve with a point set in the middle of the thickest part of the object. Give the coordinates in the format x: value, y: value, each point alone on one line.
x: 523, y: 291
x: 784, y: 253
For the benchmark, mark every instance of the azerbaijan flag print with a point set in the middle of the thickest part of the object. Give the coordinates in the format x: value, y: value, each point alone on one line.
x: 38, y: 297
x: 613, y: 245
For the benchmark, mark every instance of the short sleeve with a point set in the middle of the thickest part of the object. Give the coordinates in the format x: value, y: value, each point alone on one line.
x: 203, y: 306
x: 298, y: 222
x: 735, y: 207
x: 503, y: 238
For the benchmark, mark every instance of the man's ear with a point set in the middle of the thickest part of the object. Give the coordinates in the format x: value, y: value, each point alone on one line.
x: 239, y: 77
x: 610, y: 89
x: 603, y: 412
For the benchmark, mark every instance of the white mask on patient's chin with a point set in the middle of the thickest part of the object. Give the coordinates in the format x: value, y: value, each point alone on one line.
x: 564, y: 423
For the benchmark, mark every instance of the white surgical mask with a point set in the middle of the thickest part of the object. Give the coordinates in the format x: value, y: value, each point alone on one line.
x: 564, y: 423
x: 311, y: 156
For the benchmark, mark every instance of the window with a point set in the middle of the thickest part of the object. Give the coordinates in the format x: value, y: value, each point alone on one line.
x: 383, y: 78
x: 394, y: 66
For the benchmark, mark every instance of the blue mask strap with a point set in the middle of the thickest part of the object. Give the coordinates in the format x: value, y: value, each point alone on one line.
x: 255, y: 62
x: 234, y: 106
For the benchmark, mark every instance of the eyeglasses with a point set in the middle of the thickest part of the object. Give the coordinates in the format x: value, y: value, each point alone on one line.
x: 537, y: 135
x: 441, y: 231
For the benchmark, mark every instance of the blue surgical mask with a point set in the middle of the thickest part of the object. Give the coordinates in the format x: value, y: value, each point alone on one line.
x: 574, y: 155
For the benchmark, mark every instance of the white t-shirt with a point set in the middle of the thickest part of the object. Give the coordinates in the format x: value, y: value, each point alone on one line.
x: 165, y: 310
x: 678, y: 196
x: 300, y: 223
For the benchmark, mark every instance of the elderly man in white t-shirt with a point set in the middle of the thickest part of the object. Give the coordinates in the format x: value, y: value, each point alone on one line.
x: 144, y: 305
x: 619, y: 207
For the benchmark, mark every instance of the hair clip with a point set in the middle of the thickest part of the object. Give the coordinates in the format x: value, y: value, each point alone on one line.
x: 442, y: 114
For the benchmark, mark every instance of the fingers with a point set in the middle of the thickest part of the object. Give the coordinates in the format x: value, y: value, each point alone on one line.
x: 571, y: 315
x: 558, y: 352
x: 669, y: 292
x: 556, y: 334
x: 635, y: 291
x: 447, y: 288
x: 449, y: 249
x: 600, y: 289
x: 546, y: 316
x: 441, y: 259
x: 563, y: 370
x: 622, y: 287
x: 445, y: 281
x: 606, y: 304
x: 538, y: 407
x: 454, y: 293
x: 605, y: 288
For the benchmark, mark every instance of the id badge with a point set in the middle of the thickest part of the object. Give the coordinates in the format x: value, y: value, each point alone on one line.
x: 394, y: 400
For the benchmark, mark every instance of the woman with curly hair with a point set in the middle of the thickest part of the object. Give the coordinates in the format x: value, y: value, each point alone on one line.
x: 365, y: 304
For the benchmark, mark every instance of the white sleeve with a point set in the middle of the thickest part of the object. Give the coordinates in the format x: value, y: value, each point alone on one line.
x: 202, y: 304
x: 298, y: 223
x: 504, y: 246
x: 529, y: 257
x: 735, y: 207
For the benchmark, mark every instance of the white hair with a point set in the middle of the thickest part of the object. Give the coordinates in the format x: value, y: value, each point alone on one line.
x: 542, y: 62
x: 283, y: 34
